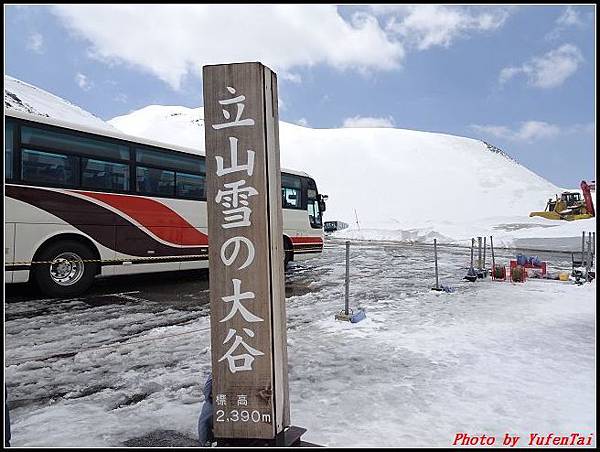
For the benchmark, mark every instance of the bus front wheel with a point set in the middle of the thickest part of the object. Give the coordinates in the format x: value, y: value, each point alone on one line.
x: 65, y: 269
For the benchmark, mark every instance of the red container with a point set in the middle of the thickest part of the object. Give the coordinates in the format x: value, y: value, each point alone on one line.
x: 518, y: 273
x: 542, y: 267
x: 499, y: 273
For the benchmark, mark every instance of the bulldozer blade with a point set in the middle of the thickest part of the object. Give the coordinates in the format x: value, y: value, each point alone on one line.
x: 547, y: 215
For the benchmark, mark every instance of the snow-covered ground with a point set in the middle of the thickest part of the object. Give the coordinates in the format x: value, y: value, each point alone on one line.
x: 491, y: 358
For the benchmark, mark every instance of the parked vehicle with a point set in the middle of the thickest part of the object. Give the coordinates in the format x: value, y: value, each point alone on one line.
x: 82, y: 202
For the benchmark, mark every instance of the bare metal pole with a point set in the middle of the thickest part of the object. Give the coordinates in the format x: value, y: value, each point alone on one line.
x: 437, y: 285
x: 484, y: 247
x: 582, y: 248
x: 472, y: 246
x: 347, y: 300
x: 479, y: 253
x: 492, y: 248
x: 589, y: 257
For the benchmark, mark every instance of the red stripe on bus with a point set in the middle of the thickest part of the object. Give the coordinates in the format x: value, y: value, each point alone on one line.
x: 161, y: 220
x: 306, y: 240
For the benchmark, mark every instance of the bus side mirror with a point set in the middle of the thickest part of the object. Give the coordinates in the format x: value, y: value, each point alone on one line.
x: 322, y: 199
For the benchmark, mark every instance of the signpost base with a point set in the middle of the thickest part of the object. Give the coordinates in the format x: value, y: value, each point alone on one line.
x: 290, y: 437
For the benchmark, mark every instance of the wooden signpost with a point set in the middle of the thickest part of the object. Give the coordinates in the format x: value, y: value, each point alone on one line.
x: 247, y: 293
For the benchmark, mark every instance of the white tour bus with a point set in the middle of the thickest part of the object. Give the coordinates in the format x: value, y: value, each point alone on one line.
x: 82, y: 202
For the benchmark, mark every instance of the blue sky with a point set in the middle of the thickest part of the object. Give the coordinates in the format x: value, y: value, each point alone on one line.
x: 522, y: 78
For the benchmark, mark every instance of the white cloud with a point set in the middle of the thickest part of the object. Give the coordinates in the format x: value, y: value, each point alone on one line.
x: 425, y: 26
x: 35, y: 42
x: 172, y: 41
x: 281, y: 104
x: 83, y: 82
x: 302, y: 122
x: 291, y: 77
x: 549, y: 70
x: 368, y: 121
x: 121, y: 98
x: 569, y: 17
x: 528, y: 131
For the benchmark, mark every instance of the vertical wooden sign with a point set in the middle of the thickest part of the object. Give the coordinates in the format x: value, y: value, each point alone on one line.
x: 247, y: 294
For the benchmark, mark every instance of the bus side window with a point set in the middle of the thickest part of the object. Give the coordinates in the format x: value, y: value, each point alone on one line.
x: 291, y: 191
x: 290, y: 197
x: 8, y: 150
x: 190, y: 186
x: 104, y: 175
x: 154, y: 181
x: 48, y: 167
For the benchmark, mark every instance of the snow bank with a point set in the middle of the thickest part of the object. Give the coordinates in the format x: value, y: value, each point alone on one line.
x: 389, y: 176
x: 401, y: 184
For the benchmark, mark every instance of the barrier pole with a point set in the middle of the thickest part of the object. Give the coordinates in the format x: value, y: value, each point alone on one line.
x: 437, y: 285
x: 582, y: 248
x: 479, y: 253
x: 492, y: 248
x: 347, y: 298
x: 472, y: 246
x: 484, y: 247
x: 589, y: 257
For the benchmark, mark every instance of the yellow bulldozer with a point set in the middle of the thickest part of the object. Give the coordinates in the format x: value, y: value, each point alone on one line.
x: 570, y: 206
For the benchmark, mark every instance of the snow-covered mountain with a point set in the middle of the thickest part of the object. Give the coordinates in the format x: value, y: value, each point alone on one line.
x: 400, y: 184
x: 390, y: 176
x: 21, y: 96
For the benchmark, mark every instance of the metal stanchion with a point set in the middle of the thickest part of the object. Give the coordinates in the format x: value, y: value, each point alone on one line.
x: 471, y: 274
x: 588, y: 261
x: 347, y: 296
x: 492, y: 248
x: 583, y: 249
x: 484, y: 247
x: 345, y: 314
x: 479, y: 253
x: 437, y: 282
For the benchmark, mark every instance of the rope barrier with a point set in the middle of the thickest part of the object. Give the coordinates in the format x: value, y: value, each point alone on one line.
x: 448, y: 245
x: 104, y: 261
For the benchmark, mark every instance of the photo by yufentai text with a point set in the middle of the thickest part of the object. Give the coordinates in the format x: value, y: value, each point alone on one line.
x: 532, y: 439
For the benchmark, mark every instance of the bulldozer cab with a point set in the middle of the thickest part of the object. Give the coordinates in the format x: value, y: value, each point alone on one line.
x: 571, y: 199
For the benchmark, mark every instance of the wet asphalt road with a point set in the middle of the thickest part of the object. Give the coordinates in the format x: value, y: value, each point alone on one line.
x: 188, y: 290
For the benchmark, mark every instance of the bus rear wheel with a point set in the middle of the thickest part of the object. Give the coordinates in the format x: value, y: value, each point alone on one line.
x: 66, y: 269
